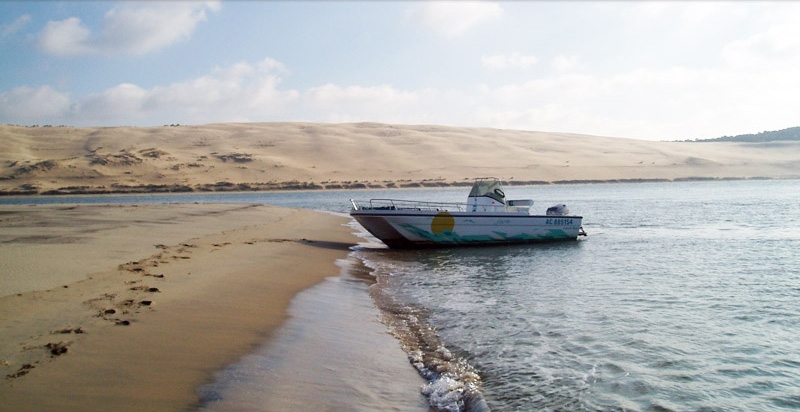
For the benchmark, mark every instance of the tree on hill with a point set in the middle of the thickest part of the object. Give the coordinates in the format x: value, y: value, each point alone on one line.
x: 792, y: 133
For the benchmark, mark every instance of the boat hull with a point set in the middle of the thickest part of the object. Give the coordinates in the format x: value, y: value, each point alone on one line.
x: 409, y: 229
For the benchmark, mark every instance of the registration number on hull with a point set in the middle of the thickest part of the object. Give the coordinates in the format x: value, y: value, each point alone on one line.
x: 558, y: 222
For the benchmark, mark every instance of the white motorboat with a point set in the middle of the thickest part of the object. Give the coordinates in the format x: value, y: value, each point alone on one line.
x: 486, y: 218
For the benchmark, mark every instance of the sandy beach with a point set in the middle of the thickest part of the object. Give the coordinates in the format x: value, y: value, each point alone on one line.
x: 134, y: 307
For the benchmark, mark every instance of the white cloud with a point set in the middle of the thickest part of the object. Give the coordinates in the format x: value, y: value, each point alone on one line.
x: 454, y: 18
x: 26, y: 105
x: 388, y: 104
x: 132, y: 28
x: 691, y: 19
x: 514, y: 60
x: 240, y: 92
x: 65, y: 38
x: 15, y: 26
x: 779, y: 44
x: 333, y: 103
x: 673, y: 103
x: 123, y: 102
x: 563, y: 63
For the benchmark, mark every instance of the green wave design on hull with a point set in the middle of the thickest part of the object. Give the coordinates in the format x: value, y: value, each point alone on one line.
x: 450, y: 237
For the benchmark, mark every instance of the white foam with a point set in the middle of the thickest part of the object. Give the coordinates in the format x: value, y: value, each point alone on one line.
x: 445, y: 394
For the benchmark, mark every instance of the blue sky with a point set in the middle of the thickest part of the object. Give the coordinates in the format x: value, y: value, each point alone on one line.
x: 636, y: 69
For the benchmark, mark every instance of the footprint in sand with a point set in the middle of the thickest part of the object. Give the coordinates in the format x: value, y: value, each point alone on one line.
x: 57, y: 348
x: 146, y: 289
x: 67, y: 331
x: 22, y: 371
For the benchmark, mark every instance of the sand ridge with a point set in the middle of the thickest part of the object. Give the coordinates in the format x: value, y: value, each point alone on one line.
x: 280, y: 156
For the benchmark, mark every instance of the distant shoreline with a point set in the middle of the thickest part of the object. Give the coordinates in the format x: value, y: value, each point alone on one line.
x: 293, y: 186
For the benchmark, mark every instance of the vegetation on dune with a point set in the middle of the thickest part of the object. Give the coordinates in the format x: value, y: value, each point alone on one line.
x: 792, y: 133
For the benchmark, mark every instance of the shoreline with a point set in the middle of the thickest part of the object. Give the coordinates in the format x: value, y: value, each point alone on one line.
x: 305, y: 186
x: 147, y: 329
x: 333, y: 353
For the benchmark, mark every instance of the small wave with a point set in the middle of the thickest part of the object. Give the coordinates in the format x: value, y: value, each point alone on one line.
x: 453, y: 384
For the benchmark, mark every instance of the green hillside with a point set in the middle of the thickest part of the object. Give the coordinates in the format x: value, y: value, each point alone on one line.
x: 792, y: 133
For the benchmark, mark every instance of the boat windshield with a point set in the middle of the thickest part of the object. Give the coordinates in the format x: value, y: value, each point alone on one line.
x: 488, y: 188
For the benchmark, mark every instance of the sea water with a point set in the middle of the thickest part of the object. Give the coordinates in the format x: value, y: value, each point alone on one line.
x: 683, y: 296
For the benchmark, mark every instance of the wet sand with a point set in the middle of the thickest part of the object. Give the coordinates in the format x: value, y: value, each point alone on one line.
x: 332, y: 354
x: 135, y: 307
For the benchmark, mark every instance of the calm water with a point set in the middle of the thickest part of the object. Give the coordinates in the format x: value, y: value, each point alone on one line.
x: 684, y: 296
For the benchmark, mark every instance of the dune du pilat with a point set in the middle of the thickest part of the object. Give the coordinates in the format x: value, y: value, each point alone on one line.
x: 290, y: 156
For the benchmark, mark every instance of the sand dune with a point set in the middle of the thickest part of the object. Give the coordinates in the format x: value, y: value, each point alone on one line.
x: 268, y: 156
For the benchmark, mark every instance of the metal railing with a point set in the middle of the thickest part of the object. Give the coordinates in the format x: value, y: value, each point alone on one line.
x: 395, y: 204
